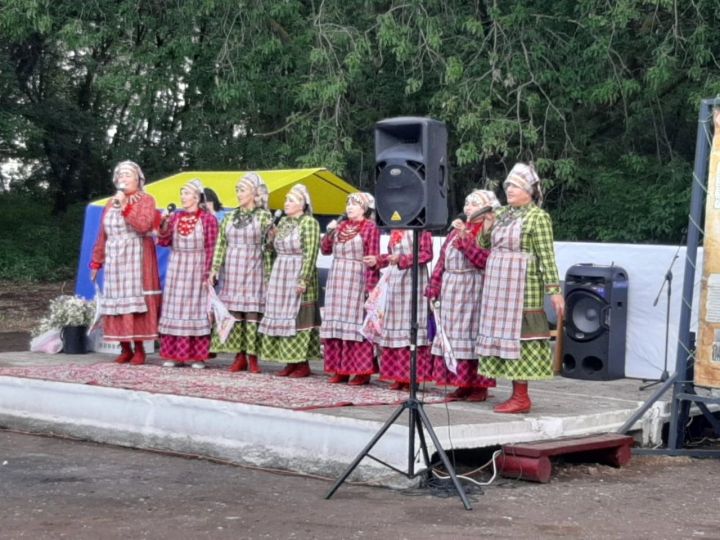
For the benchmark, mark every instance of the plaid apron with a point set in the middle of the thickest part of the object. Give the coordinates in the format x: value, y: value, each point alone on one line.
x: 185, y: 299
x: 503, y: 291
x: 282, y: 303
x: 123, y: 281
x: 460, y: 304
x: 343, y: 312
x: 243, y: 287
x: 396, y: 327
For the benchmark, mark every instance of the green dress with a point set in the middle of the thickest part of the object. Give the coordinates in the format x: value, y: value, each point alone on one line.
x: 541, y: 278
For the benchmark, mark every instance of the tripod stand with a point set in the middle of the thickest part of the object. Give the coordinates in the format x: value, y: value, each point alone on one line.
x: 664, y: 376
x: 417, y: 416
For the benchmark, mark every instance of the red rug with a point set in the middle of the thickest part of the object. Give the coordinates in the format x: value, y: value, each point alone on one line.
x: 265, y: 389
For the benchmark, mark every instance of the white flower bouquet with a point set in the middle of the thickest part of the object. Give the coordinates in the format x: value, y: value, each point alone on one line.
x: 66, y: 310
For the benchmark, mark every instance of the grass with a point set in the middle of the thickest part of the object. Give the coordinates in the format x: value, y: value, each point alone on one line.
x: 36, y: 246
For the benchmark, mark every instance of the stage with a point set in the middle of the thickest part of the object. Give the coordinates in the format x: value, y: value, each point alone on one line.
x: 302, y: 425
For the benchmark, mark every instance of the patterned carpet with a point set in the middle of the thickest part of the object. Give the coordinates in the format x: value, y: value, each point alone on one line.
x: 265, y: 389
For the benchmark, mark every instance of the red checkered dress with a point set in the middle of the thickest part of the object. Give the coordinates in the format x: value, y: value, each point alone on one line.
x: 184, y: 323
x: 395, y: 341
x: 460, y: 295
x: 345, y: 350
x: 502, y: 299
x: 125, y: 249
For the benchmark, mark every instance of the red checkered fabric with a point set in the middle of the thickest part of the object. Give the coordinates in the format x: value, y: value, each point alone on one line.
x: 185, y: 349
x: 349, y: 357
x: 395, y: 365
x: 184, y: 310
x: 502, y: 299
x: 396, y: 326
x: 467, y: 374
x: 460, y: 304
x: 343, y: 312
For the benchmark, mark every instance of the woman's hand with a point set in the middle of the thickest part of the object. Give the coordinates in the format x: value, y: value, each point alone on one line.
x: 558, y: 303
x: 370, y: 260
x: 301, y: 288
x: 394, y: 258
x: 212, y: 279
x: 488, y: 221
x: 332, y: 226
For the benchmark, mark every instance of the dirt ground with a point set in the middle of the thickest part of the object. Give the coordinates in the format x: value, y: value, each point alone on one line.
x: 21, y: 308
x: 54, y: 488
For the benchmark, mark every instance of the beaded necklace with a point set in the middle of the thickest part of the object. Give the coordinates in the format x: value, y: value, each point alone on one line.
x: 187, y: 222
x: 348, y: 230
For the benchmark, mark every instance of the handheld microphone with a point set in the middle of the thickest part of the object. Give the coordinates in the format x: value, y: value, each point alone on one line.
x: 338, y: 221
x: 120, y: 191
x: 480, y: 212
x: 277, y: 216
x: 461, y: 216
x: 171, y: 208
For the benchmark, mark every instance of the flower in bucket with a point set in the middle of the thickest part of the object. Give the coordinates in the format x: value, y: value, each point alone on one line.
x: 67, y: 310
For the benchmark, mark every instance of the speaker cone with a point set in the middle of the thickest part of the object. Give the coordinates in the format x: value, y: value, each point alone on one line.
x: 585, y: 315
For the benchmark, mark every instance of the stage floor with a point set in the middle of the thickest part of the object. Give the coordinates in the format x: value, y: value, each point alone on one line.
x: 297, y: 424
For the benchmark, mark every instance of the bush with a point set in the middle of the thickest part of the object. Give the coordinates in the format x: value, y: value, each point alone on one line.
x: 36, y: 245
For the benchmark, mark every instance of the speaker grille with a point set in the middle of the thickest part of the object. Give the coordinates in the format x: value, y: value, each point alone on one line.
x: 400, y: 192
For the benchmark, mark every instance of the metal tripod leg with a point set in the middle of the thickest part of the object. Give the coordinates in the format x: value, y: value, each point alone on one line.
x: 443, y: 456
x: 364, y: 452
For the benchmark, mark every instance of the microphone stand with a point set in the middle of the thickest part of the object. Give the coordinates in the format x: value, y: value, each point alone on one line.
x: 664, y: 376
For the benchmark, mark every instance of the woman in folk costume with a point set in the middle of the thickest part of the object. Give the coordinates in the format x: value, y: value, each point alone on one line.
x: 290, y: 324
x: 245, y: 267
x: 457, y: 282
x: 125, y: 248
x: 184, y: 323
x: 395, y: 338
x: 521, y: 270
x: 345, y: 349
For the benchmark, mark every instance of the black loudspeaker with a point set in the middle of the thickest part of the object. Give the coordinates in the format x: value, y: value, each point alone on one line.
x: 411, y: 173
x: 595, y: 322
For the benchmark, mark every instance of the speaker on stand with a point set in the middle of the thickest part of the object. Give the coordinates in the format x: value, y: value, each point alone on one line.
x: 411, y: 173
x: 595, y: 322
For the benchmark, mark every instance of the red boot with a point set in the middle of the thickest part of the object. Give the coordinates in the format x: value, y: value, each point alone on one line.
x: 126, y: 353
x: 287, y: 370
x: 359, y: 380
x: 302, y: 370
x: 139, y: 357
x: 254, y: 366
x: 461, y: 392
x: 337, y: 379
x: 240, y: 363
x: 477, y: 394
x: 519, y: 402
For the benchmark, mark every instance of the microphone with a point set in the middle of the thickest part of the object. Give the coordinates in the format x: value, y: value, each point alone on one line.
x: 480, y: 212
x: 277, y: 216
x: 120, y: 191
x: 461, y: 216
x: 338, y: 221
x: 171, y: 208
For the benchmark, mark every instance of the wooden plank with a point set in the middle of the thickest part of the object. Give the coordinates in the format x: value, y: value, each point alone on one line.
x: 556, y: 447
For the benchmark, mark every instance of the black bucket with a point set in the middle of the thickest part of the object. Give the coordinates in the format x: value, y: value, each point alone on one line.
x: 74, y: 339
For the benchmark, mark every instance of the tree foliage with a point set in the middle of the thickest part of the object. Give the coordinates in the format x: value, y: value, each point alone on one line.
x: 601, y: 95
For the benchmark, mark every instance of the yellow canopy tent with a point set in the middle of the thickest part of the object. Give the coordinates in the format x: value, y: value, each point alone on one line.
x: 327, y: 191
